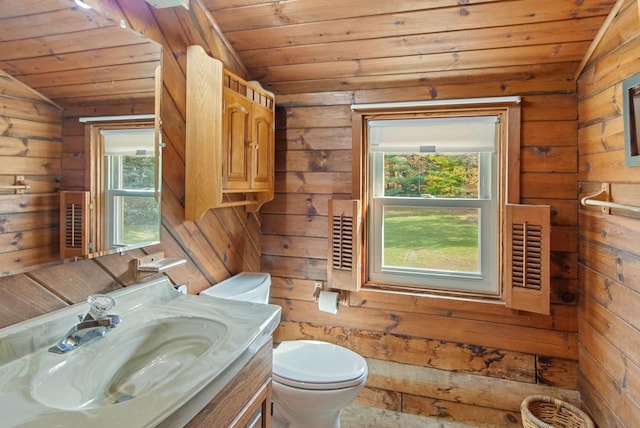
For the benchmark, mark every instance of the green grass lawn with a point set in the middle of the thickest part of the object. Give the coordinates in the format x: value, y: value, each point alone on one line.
x: 135, y: 234
x: 442, y: 239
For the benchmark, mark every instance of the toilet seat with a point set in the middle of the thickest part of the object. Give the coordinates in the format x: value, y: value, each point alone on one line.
x: 310, y: 364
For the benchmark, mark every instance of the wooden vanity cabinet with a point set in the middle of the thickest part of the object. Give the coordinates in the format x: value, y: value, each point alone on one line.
x: 230, y: 138
x: 245, y: 402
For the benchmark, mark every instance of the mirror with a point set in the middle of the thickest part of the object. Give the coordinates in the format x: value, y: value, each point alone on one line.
x: 83, y: 60
x: 124, y: 167
x: 631, y: 112
x: 62, y: 61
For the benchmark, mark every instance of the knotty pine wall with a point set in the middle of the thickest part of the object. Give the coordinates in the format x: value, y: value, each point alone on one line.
x: 461, y: 361
x: 466, y: 362
x: 225, y: 241
x: 609, y: 255
x: 31, y: 147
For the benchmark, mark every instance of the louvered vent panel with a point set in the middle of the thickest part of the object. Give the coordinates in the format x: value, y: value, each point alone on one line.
x: 525, y: 255
x: 342, y: 242
x: 74, y: 224
x: 345, y: 241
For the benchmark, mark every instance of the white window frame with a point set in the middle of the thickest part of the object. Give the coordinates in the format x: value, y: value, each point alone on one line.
x: 485, y: 279
x: 114, y: 205
x: 112, y: 175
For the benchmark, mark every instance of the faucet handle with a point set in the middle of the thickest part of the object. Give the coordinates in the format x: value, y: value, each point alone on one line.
x: 100, y: 304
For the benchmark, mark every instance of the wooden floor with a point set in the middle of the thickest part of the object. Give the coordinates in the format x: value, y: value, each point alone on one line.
x: 359, y: 416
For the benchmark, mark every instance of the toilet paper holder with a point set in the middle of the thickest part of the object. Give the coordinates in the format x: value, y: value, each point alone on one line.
x: 343, y: 298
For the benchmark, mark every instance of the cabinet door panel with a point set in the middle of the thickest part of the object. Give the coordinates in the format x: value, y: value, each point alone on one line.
x: 236, y: 150
x: 262, y: 144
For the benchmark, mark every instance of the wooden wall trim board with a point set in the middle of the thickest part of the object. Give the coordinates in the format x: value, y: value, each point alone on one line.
x: 596, y: 40
x: 15, y: 88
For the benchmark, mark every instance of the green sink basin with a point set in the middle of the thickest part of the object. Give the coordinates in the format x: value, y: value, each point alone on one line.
x: 126, y: 364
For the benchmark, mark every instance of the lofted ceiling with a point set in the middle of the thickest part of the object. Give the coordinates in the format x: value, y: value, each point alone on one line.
x: 295, y: 46
x: 72, y: 55
x: 75, y: 56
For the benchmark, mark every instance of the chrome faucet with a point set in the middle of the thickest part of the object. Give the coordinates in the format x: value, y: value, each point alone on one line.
x: 94, y: 325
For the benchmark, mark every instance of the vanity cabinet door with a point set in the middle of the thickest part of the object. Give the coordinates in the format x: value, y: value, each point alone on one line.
x: 245, y: 401
x: 237, y: 146
x: 257, y: 413
x: 262, y: 145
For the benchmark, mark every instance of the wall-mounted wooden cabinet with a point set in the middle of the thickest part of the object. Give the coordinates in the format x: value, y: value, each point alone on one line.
x: 247, y: 145
x: 230, y: 138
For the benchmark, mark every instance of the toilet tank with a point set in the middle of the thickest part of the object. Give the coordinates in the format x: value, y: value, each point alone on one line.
x: 245, y: 286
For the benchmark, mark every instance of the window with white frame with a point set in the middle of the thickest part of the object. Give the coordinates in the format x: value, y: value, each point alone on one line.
x: 434, y: 201
x: 437, y: 186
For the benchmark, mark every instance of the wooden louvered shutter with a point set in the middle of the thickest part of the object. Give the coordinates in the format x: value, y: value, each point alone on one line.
x: 74, y: 224
x: 526, y: 257
x: 345, y: 240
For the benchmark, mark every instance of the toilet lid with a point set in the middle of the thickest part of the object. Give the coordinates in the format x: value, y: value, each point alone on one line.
x: 312, y: 364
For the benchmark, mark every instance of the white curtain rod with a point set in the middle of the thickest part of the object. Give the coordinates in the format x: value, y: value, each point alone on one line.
x: 430, y: 103
x: 112, y: 118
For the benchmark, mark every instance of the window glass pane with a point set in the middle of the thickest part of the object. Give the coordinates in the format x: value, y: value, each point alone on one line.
x: 133, y: 212
x: 432, y: 175
x: 132, y: 172
x: 442, y: 239
x: 140, y: 220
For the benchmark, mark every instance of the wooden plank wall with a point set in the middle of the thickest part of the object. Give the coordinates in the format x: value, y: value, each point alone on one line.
x: 462, y: 361
x: 30, y: 146
x: 609, y: 264
x: 226, y: 241
x: 465, y: 362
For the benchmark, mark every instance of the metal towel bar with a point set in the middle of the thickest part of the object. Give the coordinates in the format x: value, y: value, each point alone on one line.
x: 19, y: 185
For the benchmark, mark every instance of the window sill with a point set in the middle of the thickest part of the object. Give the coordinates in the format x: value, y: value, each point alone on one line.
x: 408, y: 299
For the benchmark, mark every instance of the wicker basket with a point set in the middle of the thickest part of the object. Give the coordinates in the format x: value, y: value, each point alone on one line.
x: 539, y: 411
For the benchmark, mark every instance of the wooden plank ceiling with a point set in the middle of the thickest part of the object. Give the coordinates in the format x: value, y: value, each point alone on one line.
x: 75, y: 56
x: 294, y: 46
x: 72, y: 55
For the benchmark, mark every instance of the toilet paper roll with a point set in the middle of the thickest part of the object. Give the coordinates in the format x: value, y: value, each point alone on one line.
x: 328, y: 302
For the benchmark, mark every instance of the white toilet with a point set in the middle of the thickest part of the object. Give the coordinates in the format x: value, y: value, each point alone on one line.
x: 312, y: 381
